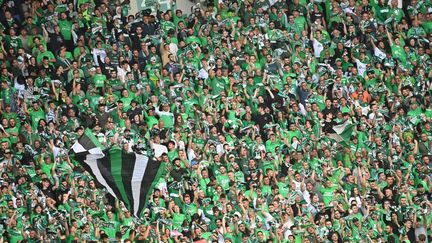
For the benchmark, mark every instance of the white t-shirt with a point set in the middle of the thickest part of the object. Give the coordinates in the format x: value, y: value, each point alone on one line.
x: 318, y: 47
x: 121, y: 73
x: 203, y: 73
x: 306, y: 196
x: 191, y: 155
x: 220, y: 148
x: 297, y: 185
x: 361, y: 67
x: 378, y: 53
x: 356, y: 199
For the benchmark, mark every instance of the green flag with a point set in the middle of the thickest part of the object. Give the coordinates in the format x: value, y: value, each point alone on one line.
x: 343, y: 132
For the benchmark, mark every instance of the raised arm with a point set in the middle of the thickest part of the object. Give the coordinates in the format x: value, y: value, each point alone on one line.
x: 389, y: 36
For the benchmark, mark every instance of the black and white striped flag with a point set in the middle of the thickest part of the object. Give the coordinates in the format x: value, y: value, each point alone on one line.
x: 130, y: 177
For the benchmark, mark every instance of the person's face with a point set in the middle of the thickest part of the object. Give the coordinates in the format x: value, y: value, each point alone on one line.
x: 394, y: 216
x: 92, y: 184
x: 110, y: 214
x: 260, y: 236
x: 36, y: 106
x: 388, y: 229
x: 223, y: 170
x: 113, y: 74
x: 219, y: 223
x: 19, y: 202
x: 408, y: 224
x: 424, y: 137
x: 32, y: 234
x: 421, y: 190
x: 38, y: 209
x: 389, y: 180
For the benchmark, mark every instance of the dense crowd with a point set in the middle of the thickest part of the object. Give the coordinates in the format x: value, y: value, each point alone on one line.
x: 275, y: 121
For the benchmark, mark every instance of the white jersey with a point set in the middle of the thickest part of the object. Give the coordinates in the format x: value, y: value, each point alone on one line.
x: 318, y: 47
x: 378, y: 53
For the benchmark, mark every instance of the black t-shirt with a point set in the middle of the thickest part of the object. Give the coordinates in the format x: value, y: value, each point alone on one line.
x: 163, y: 133
x: 177, y: 173
x: 132, y: 112
x: 262, y: 119
x: 284, y: 169
x: 328, y: 126
x: 316, y: 15
x: 411, y: 235
x: 322, y: 213
x: 103, y: 118
x: 148, y: 29
x: 136, y: 41
x: 67, y: 107
x: 63, y: 190
x: 197, y: 239
x: 48, y: 192
x: 251, y: 181
x: 327, y: 110
x: 49, y: 70
x: 393, y: 188
x: 296, y: 209
x: 219, y: 127
x: 374, y: 194
x: 55, y: 42
x: 391, y: 200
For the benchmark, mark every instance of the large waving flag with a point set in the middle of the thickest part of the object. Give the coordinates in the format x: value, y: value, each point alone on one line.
x: 343, y: 132
x: 130, y: 177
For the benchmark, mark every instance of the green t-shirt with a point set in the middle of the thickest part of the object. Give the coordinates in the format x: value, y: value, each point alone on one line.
x: 46, y: 168
x: 218, y: 85
x: 151, y: 121
x: 327, y: 194
x: 99, y: 80
x: 41, y: 56
x: 271, y: 146
x: 6, y: 95
x: 110, y: 228
x: 177, y: 220
x: 223, y: 181
x: 35, y: 116
x: 65, y: 29
x: 399, y: 53
x: 167, y: 118
x: 15, y: 235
